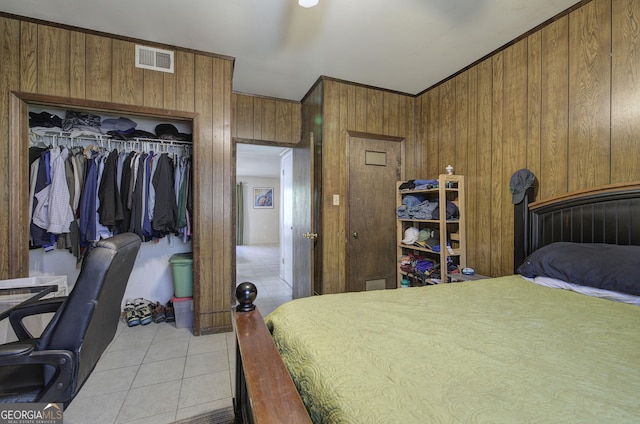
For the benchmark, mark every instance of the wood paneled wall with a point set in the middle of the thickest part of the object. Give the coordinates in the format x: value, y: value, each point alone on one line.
x: 265, y: 119
x: 353, y: 107
x: 43, y: 59
x: 563, y: 102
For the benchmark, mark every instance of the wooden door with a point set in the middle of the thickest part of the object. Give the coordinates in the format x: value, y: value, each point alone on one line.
x: 375, y: 165
x: 304, y: 233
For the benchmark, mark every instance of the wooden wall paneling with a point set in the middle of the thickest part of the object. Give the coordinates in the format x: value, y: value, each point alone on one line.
x: 408, y: 114
x: 625, y: 80
x: 128, y: 81
x: 514, y: 142
x: 53, y: 59
x: 153, y: 91
x: 296, y: 123
x: 461, y: 127
x: 77, y: 68
x: 589, y: 95
x: 28, y: 55
x: 497, y: 177
x: 185, y: 81
x: 224, y: 318
x: 420, y: 159
x: 447, y: 136
x: 341, y: 213
x: 391, y: 120
x: 534, y: 101
x: 169, y: 89
x: 554, y: 117
x: 471, y: 175
x: 429, y: 168
x: 10, y: 32
x: 483, y: 139
x: 223, y: 192
x: 375, y: 114
x: 258, y: 117
x: 360, y: 110
x: 333, y: 248
x: 18, y: 186
x: 244, y: 118
x: 204, y: 185
x: 98, y: 68
x: 283, y: 121
x: 268, y: 119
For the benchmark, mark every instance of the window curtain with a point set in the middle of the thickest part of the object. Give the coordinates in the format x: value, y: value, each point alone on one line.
x: 239, y: 214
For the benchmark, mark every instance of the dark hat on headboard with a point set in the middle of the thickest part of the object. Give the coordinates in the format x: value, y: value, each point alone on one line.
x: 521, y: 180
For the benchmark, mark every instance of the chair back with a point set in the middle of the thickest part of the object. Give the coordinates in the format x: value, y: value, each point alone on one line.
x: 86, y: 322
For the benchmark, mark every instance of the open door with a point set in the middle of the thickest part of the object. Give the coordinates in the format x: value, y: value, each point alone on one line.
x: 304, y: 233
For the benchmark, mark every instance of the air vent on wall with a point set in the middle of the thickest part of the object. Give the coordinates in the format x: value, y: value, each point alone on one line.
x: 156, y: 59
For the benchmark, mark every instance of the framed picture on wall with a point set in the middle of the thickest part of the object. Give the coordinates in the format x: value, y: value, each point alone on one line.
x: 263, y: 197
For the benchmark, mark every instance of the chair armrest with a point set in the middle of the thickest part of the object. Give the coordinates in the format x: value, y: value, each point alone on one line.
x: 15, y: 349
x: 61, y: 361
x: 42, y: 306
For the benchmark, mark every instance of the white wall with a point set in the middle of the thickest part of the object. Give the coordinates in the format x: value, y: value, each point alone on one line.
x: 150, y: 279
x: 261, y: 226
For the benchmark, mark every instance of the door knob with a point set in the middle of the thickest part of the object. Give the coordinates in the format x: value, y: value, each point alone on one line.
x: 355, y: 234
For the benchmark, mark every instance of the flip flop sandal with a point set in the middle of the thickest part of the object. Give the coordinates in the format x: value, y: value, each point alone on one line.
x: 130, y: 314
x: 157, y: 313
x: 143, y: 310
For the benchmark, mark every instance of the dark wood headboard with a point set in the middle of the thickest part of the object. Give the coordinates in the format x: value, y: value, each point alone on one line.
x: 607, y: 214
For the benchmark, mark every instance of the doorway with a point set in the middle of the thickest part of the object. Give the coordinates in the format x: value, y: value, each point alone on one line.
x: 374, y: 167
x: 263, y: 248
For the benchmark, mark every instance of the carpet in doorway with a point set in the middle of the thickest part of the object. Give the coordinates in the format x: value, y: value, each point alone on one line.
x: 219, y: 416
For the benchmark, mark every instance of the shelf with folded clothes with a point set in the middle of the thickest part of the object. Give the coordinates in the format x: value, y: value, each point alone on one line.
x: 422, y: 229
x: 452, y: 251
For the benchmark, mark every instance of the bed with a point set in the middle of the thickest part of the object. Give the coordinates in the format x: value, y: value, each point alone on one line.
x: 559, y: 344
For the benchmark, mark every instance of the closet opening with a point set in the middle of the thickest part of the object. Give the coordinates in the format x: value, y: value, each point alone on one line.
x: 146, y: 136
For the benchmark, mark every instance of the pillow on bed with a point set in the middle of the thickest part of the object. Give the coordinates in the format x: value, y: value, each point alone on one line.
x: 604, y: 266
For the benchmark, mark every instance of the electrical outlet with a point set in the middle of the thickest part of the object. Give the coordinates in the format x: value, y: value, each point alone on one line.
x: 336, y: 199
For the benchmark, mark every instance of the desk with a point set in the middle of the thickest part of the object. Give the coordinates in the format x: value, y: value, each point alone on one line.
x: 11, y: 298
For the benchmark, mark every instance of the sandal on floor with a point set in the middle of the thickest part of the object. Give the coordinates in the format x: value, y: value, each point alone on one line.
x: 157, y: 313
x: 130, y: 314
x: 169, y: 312
x: 143, y: 310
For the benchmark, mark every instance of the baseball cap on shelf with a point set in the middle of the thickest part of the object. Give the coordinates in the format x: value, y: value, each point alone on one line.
x: 521, y: 180
x: 410, y: 235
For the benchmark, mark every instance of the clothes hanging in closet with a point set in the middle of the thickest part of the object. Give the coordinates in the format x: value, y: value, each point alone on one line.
x: 82, y: 195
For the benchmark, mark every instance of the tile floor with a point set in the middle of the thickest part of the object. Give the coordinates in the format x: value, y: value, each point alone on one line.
x: 160, y: 374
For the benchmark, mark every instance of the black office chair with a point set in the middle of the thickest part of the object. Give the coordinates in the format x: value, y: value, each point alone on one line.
x: 53, y: 367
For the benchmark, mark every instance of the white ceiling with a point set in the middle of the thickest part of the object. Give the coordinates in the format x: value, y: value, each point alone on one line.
x: 258, y: 161
x: 281, y: 49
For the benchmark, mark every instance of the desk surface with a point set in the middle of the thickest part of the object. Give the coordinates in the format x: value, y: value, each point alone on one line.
x: 11, y: 298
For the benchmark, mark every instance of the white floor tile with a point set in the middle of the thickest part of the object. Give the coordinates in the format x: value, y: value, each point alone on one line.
x: 158, y: 373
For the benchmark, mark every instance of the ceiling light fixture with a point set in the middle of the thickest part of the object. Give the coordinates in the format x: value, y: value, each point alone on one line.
x: 307, y: 3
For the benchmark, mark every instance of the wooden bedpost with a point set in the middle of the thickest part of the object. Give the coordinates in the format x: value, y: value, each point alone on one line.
x: 265, y: 393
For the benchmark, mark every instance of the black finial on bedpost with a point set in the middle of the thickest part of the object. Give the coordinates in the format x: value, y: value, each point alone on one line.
x: 246, y: 293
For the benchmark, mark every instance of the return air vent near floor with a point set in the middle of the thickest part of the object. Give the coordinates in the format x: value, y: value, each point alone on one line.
x: 156, y: 59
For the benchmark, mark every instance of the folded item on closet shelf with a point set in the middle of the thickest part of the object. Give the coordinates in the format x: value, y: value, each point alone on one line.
x: 424, y: 210
x: 80, y: 120
x: 44, y: 119
x: 452, y: 211
x: 170, y: 132
x: 119, y: 125
x: 413, y: 199
x: 425, y: 184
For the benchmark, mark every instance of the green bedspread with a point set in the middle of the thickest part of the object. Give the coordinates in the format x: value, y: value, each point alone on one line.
x: 502, y: 350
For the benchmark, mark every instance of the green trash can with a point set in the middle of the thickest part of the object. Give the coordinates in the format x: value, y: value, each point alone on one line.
x: 182, y: 271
